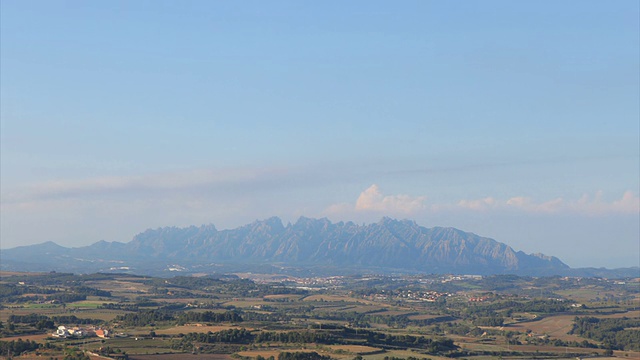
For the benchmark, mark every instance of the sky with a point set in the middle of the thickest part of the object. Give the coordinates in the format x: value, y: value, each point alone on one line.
x: 515, y: 120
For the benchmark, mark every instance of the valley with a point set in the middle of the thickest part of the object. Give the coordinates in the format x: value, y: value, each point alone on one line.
x: 372, y: 317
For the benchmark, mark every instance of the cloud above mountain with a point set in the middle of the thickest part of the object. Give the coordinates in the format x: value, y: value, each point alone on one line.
x: 373, y: 200
x: 591, y: 205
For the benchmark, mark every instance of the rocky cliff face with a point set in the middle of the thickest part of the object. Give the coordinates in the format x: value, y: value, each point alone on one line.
x: 389, y: 244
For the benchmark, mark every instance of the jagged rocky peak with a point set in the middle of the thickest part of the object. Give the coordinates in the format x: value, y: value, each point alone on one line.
x: 271, y: 224
x: 388, y: 244
x: 208, y: 228
x: 312, y: 224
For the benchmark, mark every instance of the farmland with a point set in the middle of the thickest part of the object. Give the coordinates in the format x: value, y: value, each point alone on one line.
x: 372, y: 318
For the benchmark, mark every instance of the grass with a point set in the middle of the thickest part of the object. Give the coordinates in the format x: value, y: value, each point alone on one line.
x: 332, y: 298
x: 354, y: 349
x: 180, y: 356
x: 283, y: 296
x: 86, y: 304
x: 424, y: 317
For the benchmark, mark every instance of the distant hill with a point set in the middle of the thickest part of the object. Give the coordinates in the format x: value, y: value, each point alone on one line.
x: 387, y: 246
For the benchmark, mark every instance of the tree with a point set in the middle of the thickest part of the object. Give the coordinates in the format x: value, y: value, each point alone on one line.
x: 608, y: 352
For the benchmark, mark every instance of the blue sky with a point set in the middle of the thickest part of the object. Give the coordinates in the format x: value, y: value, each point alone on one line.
x: 514, y: 120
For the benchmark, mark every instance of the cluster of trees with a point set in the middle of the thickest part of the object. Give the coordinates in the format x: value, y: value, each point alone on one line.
x: 244, y: 336
x: 458, y: 329
x: 118, y: 306
x: 75, y: 354
x: 114, y: 353
x: 614, y: 333
x: 557, y: 342
x: 66, y: 297
x: 432, y: 346
x: 302, y: 337
x: 541, y: 306
x: 27, y: 319
x: 426, y: 322
x: 151, y: 317
x: 89, y: 291
x: 35, y: 319
x: 364, y: 320
x: 144, y: 318
x: 548, y: 306
x: 233, y: 336
x: 40, y: 324
x: 208, y: 317
x: 17, y: 347
x: 13, y: 293
x: 328, y: 337
x: 489, y: 321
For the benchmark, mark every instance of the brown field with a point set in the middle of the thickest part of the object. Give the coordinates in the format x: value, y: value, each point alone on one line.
x: 194, y: 328
x: 180, y: 356
x: 123, y: 286
x: 36, y: 338
x: 263, y: 353
x: 355, y: 349
x: 555, y: 326
x: 283, y: 296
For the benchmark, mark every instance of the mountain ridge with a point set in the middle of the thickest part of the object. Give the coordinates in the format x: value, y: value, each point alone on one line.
x: 389, y: 244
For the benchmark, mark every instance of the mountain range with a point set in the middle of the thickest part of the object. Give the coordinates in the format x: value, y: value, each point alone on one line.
x: 390, y: 245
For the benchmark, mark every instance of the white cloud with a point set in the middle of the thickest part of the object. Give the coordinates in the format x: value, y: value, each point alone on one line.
x: 480, y: 204
x: 373, y: 200
x: 629, y: 203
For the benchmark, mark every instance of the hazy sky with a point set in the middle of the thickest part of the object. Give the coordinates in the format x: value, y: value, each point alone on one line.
x: 516, y: 120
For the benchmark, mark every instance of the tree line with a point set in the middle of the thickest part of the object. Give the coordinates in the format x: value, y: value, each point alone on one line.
x: 614, y: 333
